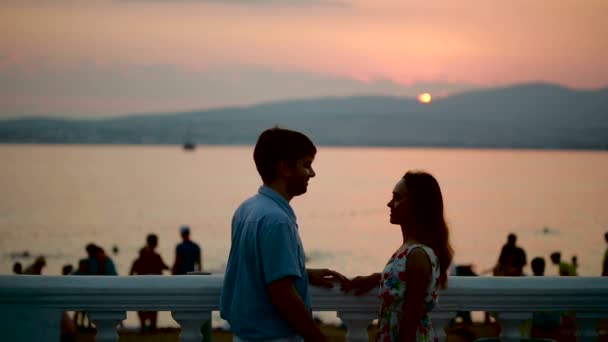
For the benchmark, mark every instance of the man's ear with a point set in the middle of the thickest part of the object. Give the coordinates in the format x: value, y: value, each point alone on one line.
x: 283, y: 168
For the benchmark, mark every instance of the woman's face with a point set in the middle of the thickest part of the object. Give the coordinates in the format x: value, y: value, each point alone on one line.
x: 398, y: 203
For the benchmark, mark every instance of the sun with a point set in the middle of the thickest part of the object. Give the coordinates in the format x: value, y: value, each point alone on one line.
x: 425, y: 98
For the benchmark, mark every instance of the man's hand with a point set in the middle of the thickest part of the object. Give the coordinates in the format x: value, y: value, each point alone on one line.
x: 362, y: 284
x: 325, y: 277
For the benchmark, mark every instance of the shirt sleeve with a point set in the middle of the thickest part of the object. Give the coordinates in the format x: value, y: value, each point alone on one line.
x: 279, y: 250
x: 110, y: 269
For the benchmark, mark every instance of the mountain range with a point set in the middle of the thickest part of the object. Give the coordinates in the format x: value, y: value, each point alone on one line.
x: 534, y: 115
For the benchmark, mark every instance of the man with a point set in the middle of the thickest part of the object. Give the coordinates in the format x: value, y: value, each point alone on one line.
x: 265, y: 294
x: 149, y: 262
x: 564, y: 268
x: 512, y: 259
x: 545, y: 324
x: 187, y: 254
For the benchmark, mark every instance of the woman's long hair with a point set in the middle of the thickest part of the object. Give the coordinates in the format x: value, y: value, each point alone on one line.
x: 425, y: 219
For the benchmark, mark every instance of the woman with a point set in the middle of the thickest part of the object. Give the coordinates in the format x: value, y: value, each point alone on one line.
x: 420, y: 263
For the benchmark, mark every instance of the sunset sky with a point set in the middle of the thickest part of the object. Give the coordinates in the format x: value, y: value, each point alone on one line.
x: 95, y: 58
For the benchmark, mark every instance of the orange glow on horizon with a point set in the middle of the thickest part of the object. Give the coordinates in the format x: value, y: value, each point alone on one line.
x: 425, y: 98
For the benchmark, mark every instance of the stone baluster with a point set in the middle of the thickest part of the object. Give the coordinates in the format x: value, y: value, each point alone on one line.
x: 356, y: 324
x: 191, y: 323
x: 440, y: 320
x: 106, y: 322
x: 587, y: 326
x: 511, y: 323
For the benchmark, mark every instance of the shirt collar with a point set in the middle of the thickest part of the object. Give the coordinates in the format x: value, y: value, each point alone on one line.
x: 278, y: 199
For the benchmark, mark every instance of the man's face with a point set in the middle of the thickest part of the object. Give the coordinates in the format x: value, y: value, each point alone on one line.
x: 299, y: 174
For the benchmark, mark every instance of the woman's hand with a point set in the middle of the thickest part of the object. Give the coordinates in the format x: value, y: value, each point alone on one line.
x: 325, y: 277
x: 362, y: 284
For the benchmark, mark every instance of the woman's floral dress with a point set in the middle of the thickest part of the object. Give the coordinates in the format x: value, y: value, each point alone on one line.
x: 392, y: 295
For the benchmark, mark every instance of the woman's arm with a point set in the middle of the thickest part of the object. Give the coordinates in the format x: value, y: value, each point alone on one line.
x: 362, y: 284
x: 417, y: 277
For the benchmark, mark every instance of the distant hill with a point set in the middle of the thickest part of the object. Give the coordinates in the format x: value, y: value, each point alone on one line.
x: 522, y: 116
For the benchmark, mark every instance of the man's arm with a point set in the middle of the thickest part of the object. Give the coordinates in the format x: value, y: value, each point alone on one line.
x: 177, y: 263
x: 291, y: 307
x: 163, y: 266
x: 109, y: 268
x: 199, y: 266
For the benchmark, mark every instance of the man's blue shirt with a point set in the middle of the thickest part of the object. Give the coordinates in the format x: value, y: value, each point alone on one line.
x: 266, y: 247
x: 190, y: 253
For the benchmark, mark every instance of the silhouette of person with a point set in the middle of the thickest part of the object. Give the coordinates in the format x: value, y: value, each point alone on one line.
x: 265, y: 295
x: 538, y: 266
x: 419, y: 265
x: 97, y: 262
x: 605, y: 263
x: 67, y: 269
x: 148, y: 262
x: 106, y: 261
x: 564, y: 268
x: 188, y: 256
x: 544, y: 323
x: 512, y: 259
x: 36, y: 267
x: 88, y: 265
x: 17, y: 268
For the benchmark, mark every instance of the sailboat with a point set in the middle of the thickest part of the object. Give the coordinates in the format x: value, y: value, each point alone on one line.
x: 189, y: 146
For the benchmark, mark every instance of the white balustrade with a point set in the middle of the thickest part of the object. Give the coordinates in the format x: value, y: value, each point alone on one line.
x: 106, y: 323
x: 191, y: 323
x: 31, y: 306
x: 511, y: 322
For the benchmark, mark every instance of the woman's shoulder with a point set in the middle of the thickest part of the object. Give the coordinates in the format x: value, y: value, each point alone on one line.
x: 421, y: 246
x: 422, y: 250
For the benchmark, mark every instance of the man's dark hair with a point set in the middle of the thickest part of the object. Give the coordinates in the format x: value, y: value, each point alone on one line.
x: 538, y: 266
x: 556, y: 257
x: 152, y: 239
x: 91, y: 249
x: 67, y: 269
x: 279, y: 144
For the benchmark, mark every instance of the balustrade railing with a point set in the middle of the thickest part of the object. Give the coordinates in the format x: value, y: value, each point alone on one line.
x: 31, y: 306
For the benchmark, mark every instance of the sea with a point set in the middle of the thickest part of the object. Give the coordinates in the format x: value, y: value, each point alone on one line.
x: 58, y: 198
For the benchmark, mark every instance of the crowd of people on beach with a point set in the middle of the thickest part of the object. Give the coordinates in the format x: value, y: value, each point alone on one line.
x: 512, y: 260
x: 188, y: 258
x: 265, y: 294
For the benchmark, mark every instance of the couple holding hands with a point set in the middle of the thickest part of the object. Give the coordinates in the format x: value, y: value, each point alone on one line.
x: 265, y: 296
